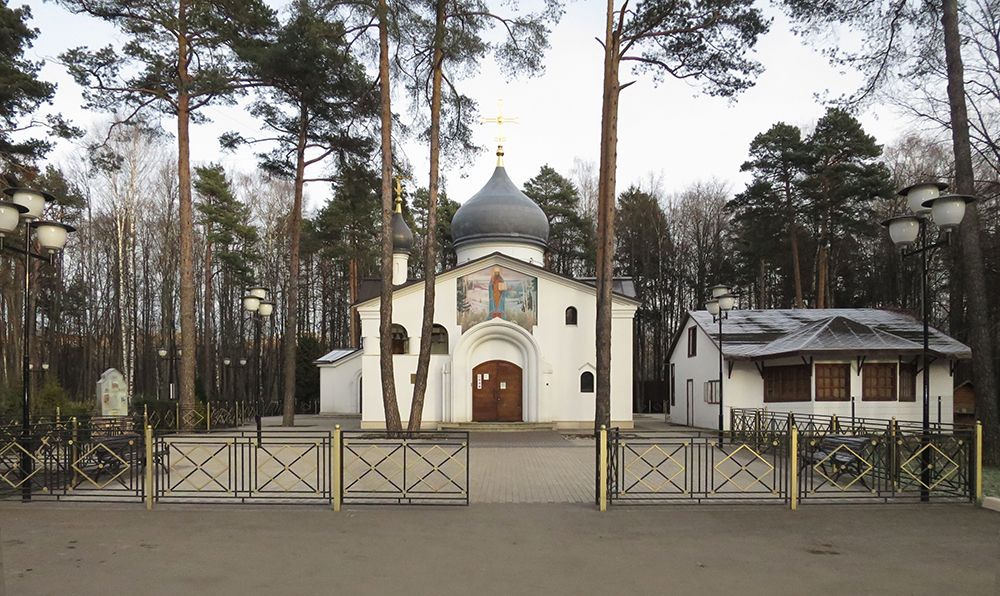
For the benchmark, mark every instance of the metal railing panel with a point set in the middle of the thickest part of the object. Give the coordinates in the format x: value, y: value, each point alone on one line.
x: 409, y: 468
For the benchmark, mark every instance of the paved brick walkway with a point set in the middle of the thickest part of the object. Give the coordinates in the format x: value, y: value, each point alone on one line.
x: 530, y: 467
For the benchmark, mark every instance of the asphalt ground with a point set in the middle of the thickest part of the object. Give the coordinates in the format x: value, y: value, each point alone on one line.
x: 484, y: 549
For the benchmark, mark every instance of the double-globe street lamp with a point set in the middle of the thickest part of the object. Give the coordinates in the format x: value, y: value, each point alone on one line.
x: 171, y: 357
x: 927, y: 205
x: 255, y: 303
x: 719, y: 306
x: 25, y: 208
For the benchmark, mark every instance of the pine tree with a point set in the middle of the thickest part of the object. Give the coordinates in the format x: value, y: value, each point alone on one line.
x: 23, y: 93
x: 176, y: 61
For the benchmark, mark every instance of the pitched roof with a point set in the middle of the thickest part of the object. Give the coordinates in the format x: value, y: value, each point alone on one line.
x: 336, y: 355
x: 762, y: 334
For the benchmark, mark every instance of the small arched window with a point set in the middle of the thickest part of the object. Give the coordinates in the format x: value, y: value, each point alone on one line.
x: 571, y: 315
x: 439, y: 339
x: 399, y: 339
x: 587, y: 382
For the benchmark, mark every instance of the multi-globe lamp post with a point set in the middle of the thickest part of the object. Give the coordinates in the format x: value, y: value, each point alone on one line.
x: 255, y: 303
x: 25, y: 209
x: 719, y: 306
x: 909, y: 233
x: 171, y: 357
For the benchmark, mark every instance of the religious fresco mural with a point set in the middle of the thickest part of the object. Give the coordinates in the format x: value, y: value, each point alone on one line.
x: 497, y: 293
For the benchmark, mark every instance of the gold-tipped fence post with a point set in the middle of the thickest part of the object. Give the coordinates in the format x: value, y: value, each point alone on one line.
x: 150, y: 466
x: 145, y: 415
x: 208, y: 416
x: 57, y: 416
x: 793, y: 472
x: 979, y: 462
x: 177, y: 415
x: 74, y: 450
x: 337, y: 464
x: 602, y: 469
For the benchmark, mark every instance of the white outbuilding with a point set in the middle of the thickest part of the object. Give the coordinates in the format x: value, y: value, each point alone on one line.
x: 809, y: 361
x: 511, y: 341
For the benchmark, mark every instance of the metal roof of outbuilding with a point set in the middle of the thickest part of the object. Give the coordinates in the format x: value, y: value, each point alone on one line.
x: 763, y: 334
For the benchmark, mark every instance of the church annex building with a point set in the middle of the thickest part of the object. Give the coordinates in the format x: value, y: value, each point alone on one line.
x: 512, y: 341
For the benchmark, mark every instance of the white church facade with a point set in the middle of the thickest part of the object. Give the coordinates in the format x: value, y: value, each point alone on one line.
x: 512, y: 341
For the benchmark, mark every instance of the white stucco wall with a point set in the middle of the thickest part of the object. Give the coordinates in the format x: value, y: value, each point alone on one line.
x: 551, y: 381
x: 745, y: 389
x: 339, y: 386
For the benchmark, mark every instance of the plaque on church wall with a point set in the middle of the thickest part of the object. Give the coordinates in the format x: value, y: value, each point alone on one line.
x: 497, y: 293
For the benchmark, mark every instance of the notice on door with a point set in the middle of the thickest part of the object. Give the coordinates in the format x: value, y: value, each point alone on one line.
x: 479, y: 381
x: 503, y: 385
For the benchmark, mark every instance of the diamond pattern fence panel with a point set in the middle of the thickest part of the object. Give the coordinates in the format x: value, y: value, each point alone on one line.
x: 410, y: 468
x: 661, y: 467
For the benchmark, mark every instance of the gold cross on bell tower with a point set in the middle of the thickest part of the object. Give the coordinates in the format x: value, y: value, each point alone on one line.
x: 500, y: 120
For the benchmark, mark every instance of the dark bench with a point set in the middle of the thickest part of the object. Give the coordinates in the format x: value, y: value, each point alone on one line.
x: 112, y: 453
x: 838, y: 455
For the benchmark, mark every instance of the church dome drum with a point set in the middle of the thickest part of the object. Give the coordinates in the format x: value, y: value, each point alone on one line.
x: 500, y: 214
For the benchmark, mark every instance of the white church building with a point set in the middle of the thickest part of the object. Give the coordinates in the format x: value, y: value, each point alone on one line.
x: 512, y: 341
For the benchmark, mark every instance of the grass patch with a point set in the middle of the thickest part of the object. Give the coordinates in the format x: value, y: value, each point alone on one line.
x: 991, y: 481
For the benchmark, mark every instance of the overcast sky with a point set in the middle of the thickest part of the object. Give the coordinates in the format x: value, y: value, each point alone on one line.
x: 667, y: 131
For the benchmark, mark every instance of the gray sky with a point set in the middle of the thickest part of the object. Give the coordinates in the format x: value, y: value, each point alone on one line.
x: 667, y: 131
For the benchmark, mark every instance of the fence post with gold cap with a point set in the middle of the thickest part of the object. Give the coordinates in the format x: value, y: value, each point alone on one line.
x: 74, y: 450
x: 208, y: 416
x: 177, y: 415
x: 150, y: 466
x: 602, y: 470
x: 338, y: 473
x: 979, y: 462
x: 793, y: 481
x: 145, y: 415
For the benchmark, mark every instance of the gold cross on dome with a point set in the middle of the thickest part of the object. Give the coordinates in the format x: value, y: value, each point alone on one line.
x: 500, y: 120
x: 399, y: 194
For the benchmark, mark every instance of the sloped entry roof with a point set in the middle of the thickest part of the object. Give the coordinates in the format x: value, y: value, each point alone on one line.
x: 336, y: 355
x: 761, y: 334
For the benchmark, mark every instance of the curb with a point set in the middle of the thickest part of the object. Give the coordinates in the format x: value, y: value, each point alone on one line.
x: 992, y: 503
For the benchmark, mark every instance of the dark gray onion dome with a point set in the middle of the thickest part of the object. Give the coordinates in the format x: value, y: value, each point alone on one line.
x: 402, y: 237
x: 500, y: 211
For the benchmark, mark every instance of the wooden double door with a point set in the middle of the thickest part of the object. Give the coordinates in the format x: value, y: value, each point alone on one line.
x: 496, y: 392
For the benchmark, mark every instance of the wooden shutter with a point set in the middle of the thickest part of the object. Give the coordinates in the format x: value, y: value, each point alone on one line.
x: 833, y: 382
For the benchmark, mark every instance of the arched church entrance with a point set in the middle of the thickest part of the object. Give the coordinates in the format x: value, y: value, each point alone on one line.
x: 496, y: 392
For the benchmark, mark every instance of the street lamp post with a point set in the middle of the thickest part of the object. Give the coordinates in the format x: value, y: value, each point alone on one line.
x: 927, y: 205
x: 226, y: 381
x: 255, y: 302
x: 25, y: 208
x: 170, y: 357
x: 719, y: 306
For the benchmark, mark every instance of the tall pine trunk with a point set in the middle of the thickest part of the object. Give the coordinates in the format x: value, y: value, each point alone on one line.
x: 290, y: 344
x: 430, y: 240
x: 606, y: 218
x: 208, y: 333
x: 389, y: 403
x: 186, y: 235
x: 974, y: 271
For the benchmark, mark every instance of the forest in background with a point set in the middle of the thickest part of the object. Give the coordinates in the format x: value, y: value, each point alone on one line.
x: 804, y: 232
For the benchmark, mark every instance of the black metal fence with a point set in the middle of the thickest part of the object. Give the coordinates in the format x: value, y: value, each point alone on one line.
x: 63, y: 461
x: 420, y: 468
x: 115, y: 459
x: 795, y: 459
x: 285, y: 466
x: 656, y: 467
